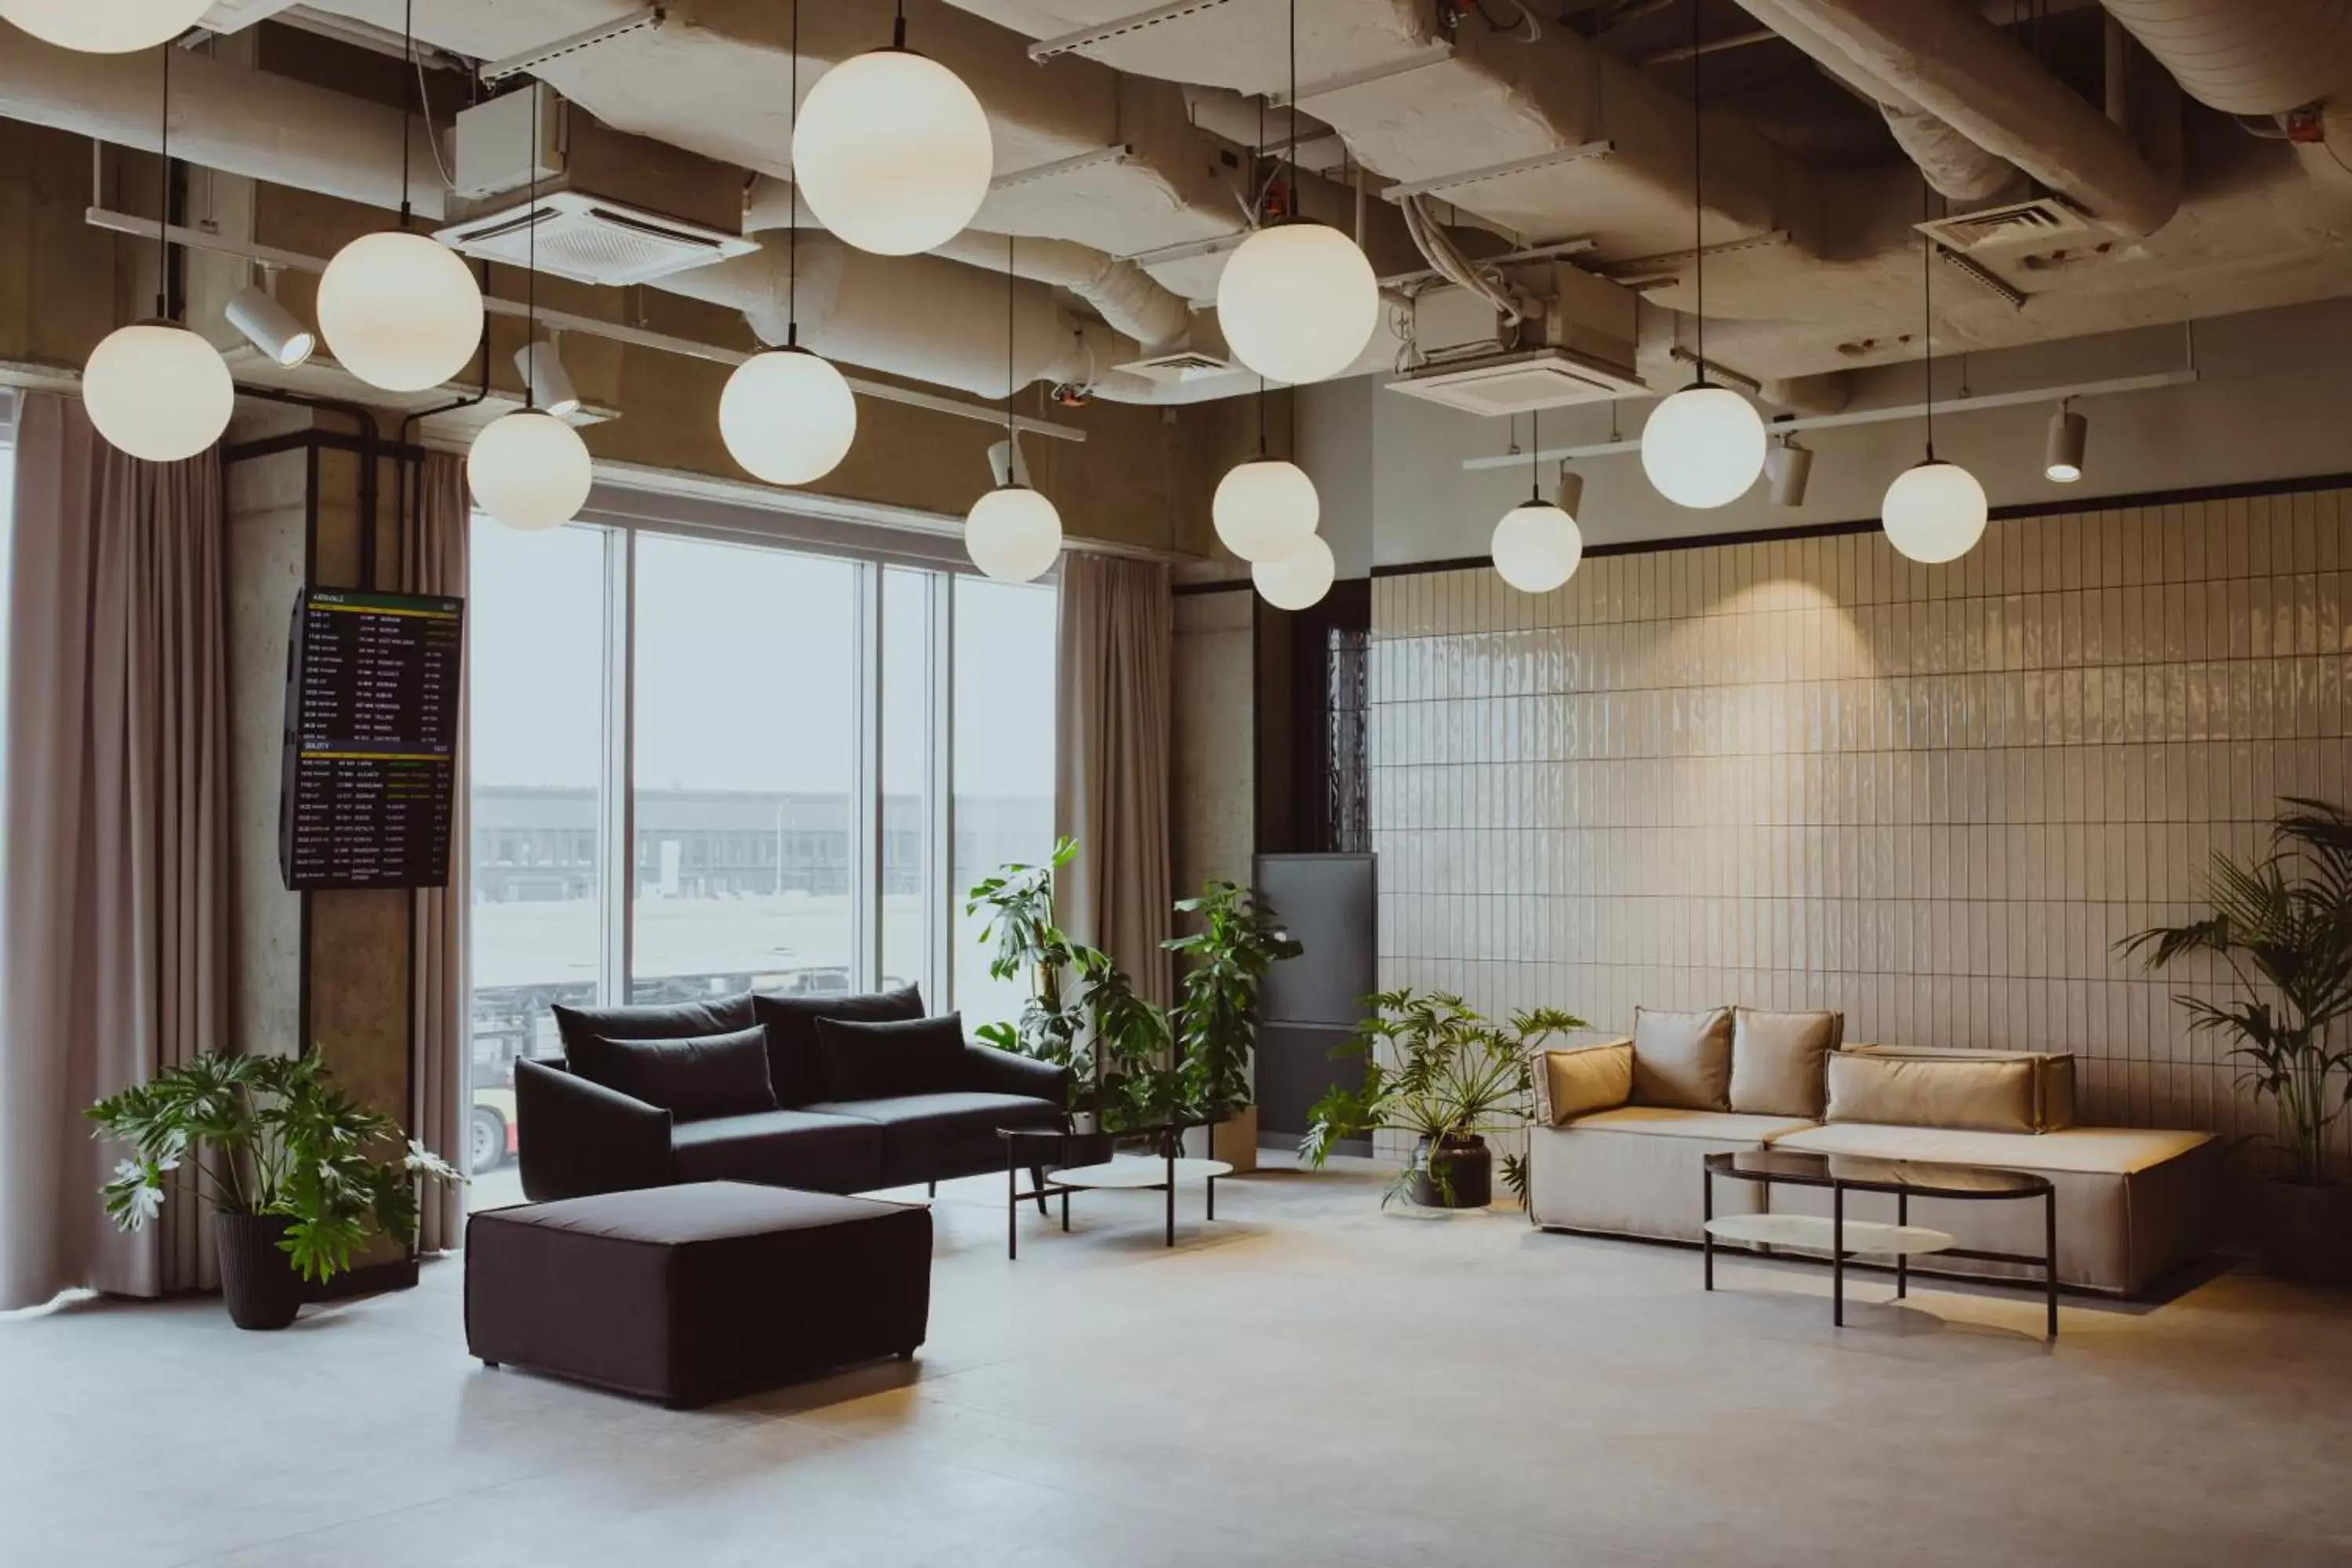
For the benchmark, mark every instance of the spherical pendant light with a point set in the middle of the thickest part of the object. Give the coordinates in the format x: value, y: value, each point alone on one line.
x: 157, y: 391
x: 1537, y: 547
x: 893, y: 153
x: 104, y: 26
x: 1013, y: 534
x: 787, y: 417
x: 1702, y: 446
x: 1298, y: 303
x: 1935, y: 512
x: 529, y: 470
x: 1264, y: 510
x: 400, y: 310
x: 1299, y: 579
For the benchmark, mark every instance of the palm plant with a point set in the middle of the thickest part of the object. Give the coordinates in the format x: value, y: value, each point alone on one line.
x: 1019, y: 904
x: 2283, y: 924
x: 267, y: 1136
x: 1436, y: 1070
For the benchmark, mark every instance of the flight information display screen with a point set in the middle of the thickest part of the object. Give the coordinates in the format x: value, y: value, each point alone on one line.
x: 372, y: 689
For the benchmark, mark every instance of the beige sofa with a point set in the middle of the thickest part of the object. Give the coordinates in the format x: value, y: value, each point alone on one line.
x: 1623, y: 1127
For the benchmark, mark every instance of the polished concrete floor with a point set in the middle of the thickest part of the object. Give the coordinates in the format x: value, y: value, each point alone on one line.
x: 1308, y: 1382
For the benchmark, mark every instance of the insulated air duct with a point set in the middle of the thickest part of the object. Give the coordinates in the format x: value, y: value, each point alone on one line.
x: 2244, y: 57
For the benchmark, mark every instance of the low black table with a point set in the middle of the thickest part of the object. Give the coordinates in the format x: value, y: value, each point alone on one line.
x: 1906, y: 1179
x: 1062, y: 1162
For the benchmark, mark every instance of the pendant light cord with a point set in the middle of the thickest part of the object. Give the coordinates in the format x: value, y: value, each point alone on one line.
x: 1290, y: 143
x: 408, y: 48
x: 1928, y: 309
x: 1698, y: 201
x: 530, y: 284
x: 164, y: 202
x: 792, y: 229
x: 1534, y: 456
x: 1011, y: 430
x: 899, y: 27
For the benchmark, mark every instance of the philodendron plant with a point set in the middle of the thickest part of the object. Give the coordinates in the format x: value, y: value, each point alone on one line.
x: 270, y: 1136
x: 1236, y: 941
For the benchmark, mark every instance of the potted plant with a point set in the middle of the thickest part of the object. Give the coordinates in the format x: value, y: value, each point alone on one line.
x: 2283, y: 924
x: 297, y: 1173
x: 1436, y: 1070
x: 1018, y: 905
x: 1236, y: 941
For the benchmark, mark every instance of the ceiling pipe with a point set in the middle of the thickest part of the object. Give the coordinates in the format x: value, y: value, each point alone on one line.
x: 1959, y: 66
x: 1955, y: 166
x: 2246, y: 58
x: 1127, y: 298
x: 224, y: 117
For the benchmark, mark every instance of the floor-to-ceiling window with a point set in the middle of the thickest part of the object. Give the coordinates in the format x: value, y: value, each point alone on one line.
x: 1004, y: 663
x: 808, y: 757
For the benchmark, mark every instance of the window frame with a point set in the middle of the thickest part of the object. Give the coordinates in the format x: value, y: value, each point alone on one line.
x: 872, y: 540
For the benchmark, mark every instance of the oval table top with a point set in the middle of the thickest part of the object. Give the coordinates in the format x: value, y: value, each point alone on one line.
x: 1135, y: 1171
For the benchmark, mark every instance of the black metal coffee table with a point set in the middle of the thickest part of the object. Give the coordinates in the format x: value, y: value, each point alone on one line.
x: 1061, y: 1164
x: 1842, y: 1238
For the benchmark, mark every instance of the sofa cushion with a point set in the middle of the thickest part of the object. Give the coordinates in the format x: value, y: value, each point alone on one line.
x: 1683, y: 1060
x: 905, y: 1056
x: 693, y: 1077
x: 932, y: 1137
x: 1779, y: 1061
x: 2114, y: 1151
x: 781, y: 1149
x: 796, y: 1061
x: 666, y: 1021
x: 1718, y: 1126
x: 2053, y: 1076
x: 1586, y: 1079
x: 1958, y: 1093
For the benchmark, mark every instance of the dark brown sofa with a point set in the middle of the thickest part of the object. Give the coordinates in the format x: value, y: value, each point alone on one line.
x: 823, y: 1128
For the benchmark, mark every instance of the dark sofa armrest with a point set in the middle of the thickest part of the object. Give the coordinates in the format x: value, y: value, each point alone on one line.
x: 578, y: 1138
x: 992, y: 1072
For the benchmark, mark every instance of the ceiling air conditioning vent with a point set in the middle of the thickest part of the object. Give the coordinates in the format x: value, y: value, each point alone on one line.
x: 1182, y: 365
x: 590, y: 241
x: 1513, y: 383
x: 2041, y: 221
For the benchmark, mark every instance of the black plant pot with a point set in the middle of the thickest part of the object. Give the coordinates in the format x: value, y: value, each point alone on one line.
x: 257, y: 1278
x: 2306, y: 1231
x: 1467, y: 1168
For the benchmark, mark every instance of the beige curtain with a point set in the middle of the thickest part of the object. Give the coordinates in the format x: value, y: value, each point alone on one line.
x: 1113, y: 713
x: 115, y: 895
x: 433, y: 561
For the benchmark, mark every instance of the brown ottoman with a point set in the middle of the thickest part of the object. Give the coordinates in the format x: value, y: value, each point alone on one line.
x: 695, y: 1293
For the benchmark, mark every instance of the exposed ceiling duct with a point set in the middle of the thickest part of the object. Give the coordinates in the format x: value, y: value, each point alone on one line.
x: 2244, y: 57
x: 1946, y: 57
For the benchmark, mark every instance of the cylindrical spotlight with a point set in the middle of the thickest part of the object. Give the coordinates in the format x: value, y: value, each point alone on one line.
x: 1789, y: 468
x: 270, y: 327
x: 542, y: 365
x: 2062, y: 450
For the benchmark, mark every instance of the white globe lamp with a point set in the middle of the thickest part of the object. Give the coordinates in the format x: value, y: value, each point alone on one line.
x: 1013, y: 534
x: 1702, y: 446
x: 1298, y: 580
x: 157, y: 391
x: 1264, y: 510
x: 104, y: 26
x: 893, y: 153
x: 1537, y: 547
x: 1935, y: 512
x: 1298, y: 303
x: 787, y: 417
x: 529, y: 470
x: 400, y: 310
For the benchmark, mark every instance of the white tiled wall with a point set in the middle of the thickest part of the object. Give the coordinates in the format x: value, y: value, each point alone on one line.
x: 1814, y: 774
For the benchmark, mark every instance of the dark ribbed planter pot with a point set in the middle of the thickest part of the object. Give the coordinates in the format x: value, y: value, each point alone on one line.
x: 256, y: 1278
x: 2306, y: 1231
x: 1468, y: 1166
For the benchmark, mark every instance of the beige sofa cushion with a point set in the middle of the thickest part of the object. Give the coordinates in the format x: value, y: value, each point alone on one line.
x: 1779, y: 1061
x: 1993, y: 1095
x: 2107, y: 1150
x: 1683, y: 1060
x: 1585, y: 1078
x: 1721, y: 1126
x: 2054, y: 1077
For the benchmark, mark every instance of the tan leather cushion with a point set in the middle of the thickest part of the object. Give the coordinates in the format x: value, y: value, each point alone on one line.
x: 1586, y: 1079
x: 2054, y: 1077
x: 1950, y: 1092
x: 1779, y: 1059
x: 1683, y: 1060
